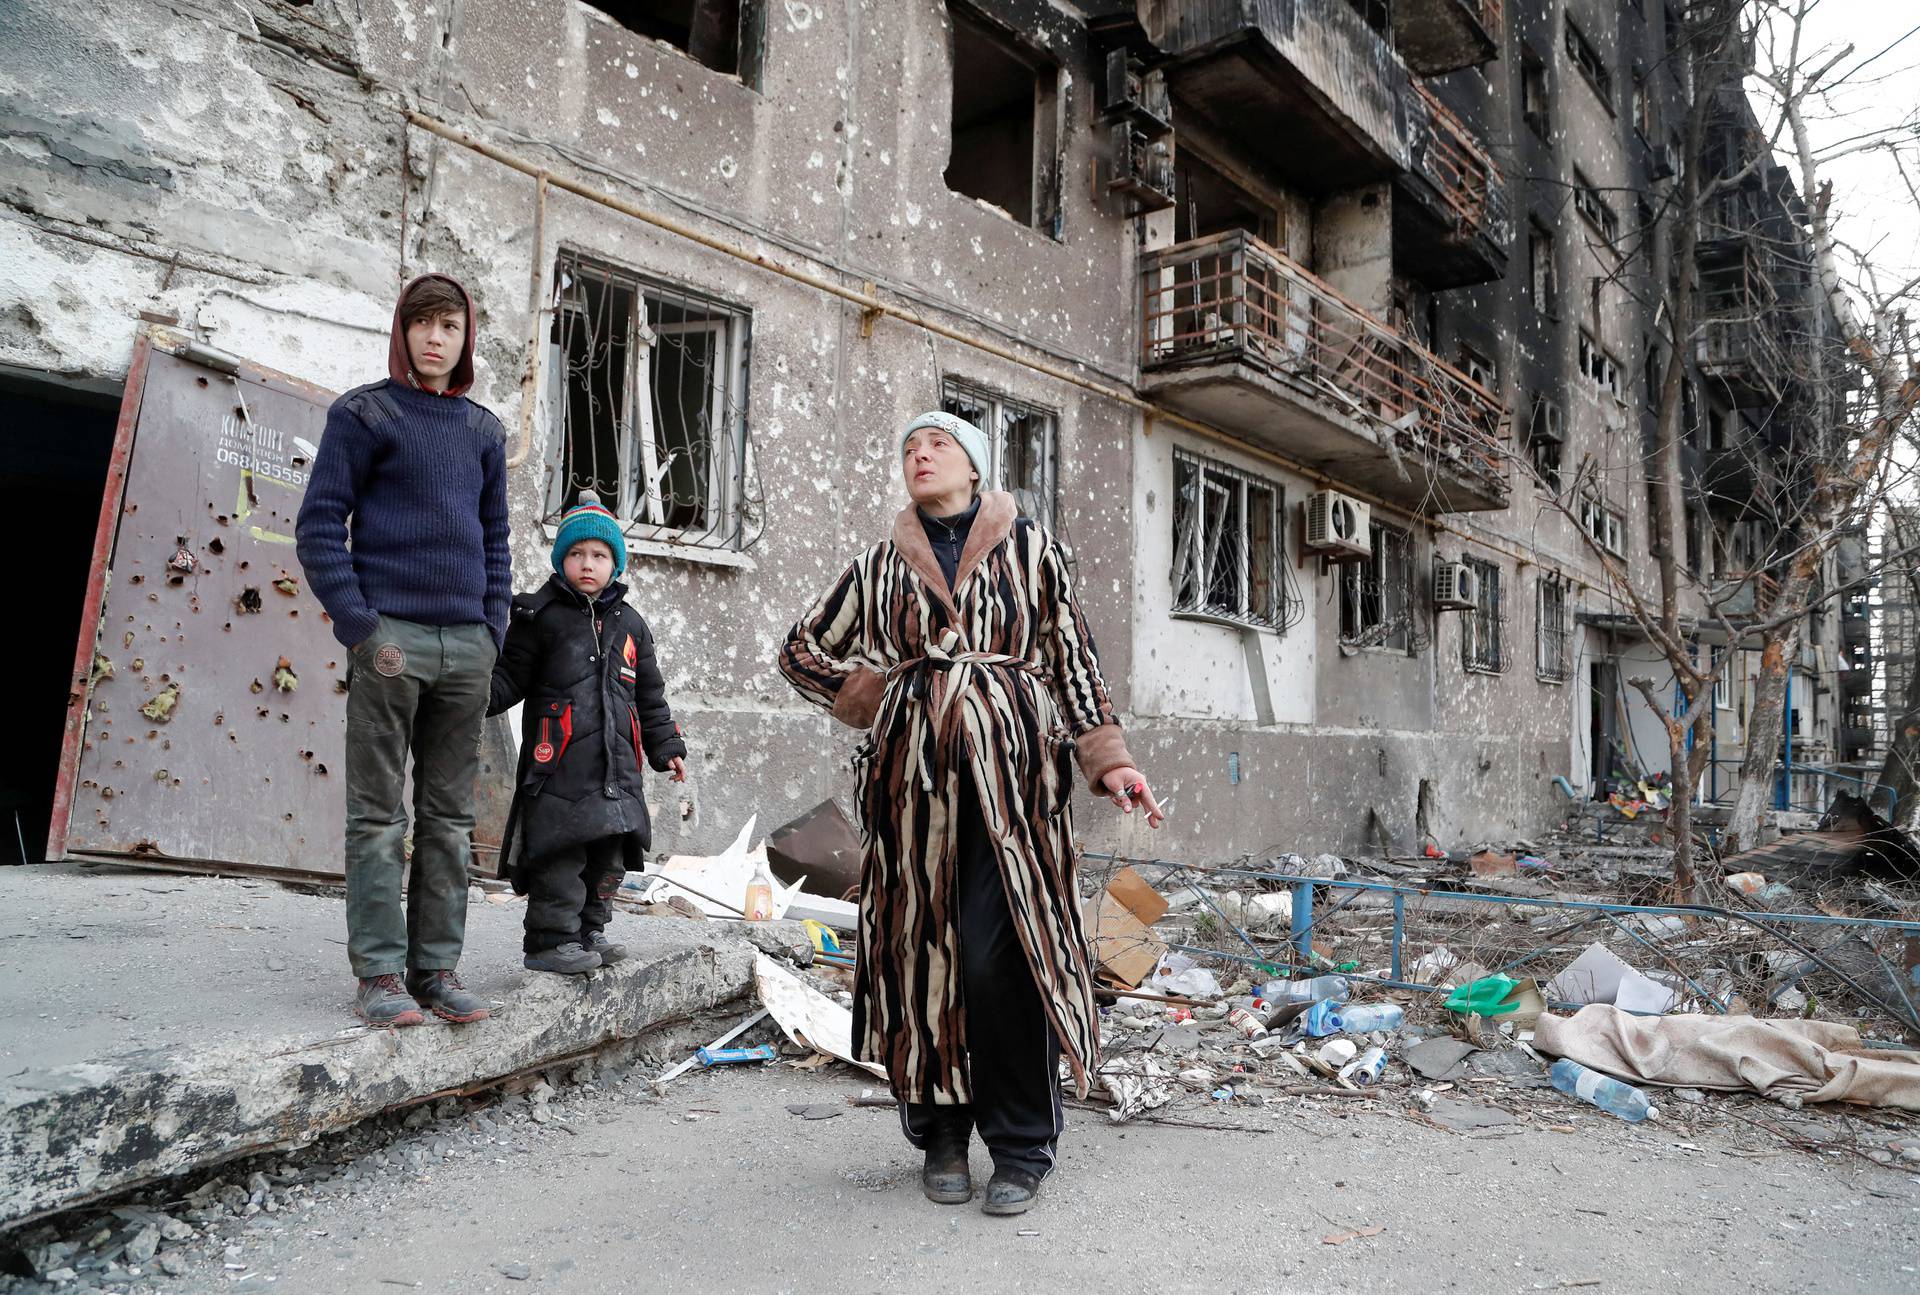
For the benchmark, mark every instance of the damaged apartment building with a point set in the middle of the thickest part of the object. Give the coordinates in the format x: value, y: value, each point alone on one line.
x: 1305, y: 324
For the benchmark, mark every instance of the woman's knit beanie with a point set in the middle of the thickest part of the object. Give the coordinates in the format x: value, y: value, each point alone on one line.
x: 589, y: 522
x: 970, y: 438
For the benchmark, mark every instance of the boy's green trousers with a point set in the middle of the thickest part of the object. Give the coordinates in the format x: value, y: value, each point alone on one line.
x: 419, y: 689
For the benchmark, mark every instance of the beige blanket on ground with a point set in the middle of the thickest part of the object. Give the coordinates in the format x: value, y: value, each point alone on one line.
x: 1820, y: 1061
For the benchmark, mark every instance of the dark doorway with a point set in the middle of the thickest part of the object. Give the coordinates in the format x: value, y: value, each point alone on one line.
x: 55, y: 443
x: 999, y: 95
x: 1603, y: 731
x: 1209, y: 203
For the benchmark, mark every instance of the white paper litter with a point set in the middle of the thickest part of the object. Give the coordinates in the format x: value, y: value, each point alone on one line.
x: 1599, y: 976
x: 1136, y: 1083
x: 809, y: 1017
x: 717, y: 883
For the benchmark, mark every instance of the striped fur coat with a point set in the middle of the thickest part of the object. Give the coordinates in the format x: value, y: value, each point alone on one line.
x: 994, y: 681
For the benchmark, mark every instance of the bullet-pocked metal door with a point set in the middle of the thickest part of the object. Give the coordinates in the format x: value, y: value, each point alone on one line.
x: 206, y: 723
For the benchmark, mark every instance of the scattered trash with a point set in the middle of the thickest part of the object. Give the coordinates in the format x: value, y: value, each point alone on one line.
x: 1603, y: 1091
x: 1269, y: 910
x: 1439, y: 1059
x: 1331, y: 1017
x: 816, y: 1110
x: 1336, y: 1053
x: 1745, y: 883
x: 1598, y: 975
x: 1341, y: 1238
x: 1366, y: 1068
x: 668, y: 1076
x: 808, y: 1017
x: 1124, y: 949
x: 1279, y: 993
x: 1485, y: 863
x: 819, y: 848
x: 735, y: 1056
x: 1181, y: 976
x: 1519, y: 1000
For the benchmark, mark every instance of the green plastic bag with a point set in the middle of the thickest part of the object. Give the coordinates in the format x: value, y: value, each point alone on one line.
x: 1487, y: 996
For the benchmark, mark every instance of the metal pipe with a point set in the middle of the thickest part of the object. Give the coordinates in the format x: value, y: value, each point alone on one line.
x: 536, y: 279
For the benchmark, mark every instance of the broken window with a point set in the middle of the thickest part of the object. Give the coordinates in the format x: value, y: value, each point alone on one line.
x: 1696, y: 538
x: 1546, y: 433
x: 1553, y: 633
x: 1005, y: 124
x: 1227, y: 547
x: 1543, y: 280
x: 1582, y: 54
x: 724, y: 35
x: 1723, y: 681
x: 1642, y: 109
x: 1483, y: 630
x: 1022, y: 442
x: 1476, y: 365
x: 1605, y: 524
x: 1599, y: 367
x: 649, y: 401
x: 1535, y: 95
x: 1376, y: 593
x: 1597, y: 210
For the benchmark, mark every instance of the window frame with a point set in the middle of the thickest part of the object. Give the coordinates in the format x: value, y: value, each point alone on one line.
x: 1595, y: 209
x: 749, y: 55
x: 1600, y: 368
x: 1190, y: 568
x: 1585, y: 56
x: 1547, y: 411
x: 730, y: 505
x: 1552, y: 635
x: 1604, y: 524
x: 1483, y: 636
x: 1000, y: 407
x: 1540, y: 239
x: 1535, y: 75
x: 1050, y: 123
x: 1390, y: 567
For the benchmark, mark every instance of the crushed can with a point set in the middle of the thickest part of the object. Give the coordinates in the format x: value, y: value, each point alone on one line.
x: 1248, y: 1022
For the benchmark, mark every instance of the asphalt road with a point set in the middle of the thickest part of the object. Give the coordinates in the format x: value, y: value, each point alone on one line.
x: 717, y: 1187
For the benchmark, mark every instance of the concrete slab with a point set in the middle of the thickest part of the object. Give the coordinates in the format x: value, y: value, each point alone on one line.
x: 152, y: 1023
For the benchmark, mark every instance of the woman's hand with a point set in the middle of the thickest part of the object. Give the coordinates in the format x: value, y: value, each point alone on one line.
x: 1125, y: 785
x: 677, y: 768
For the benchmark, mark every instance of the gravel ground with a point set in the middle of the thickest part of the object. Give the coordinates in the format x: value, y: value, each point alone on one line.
x: 591, y: 1182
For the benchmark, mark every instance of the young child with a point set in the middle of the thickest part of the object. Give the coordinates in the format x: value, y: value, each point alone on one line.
x: 582, y: 661
x: 403, y: 535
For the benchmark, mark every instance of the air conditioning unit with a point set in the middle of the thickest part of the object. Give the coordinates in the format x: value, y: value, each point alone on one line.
x: 1455, y: 587
x: 1131, y: 91
x: 1338, y: 524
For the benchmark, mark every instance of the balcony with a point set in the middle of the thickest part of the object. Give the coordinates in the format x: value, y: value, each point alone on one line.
x: 1305, y: 85
x: 1735, y: 477
x: 1746, y: 597
x: 1743, y: 352
x: 1440, y: 36
x: 1451, y: 220
x: 1236, y: 335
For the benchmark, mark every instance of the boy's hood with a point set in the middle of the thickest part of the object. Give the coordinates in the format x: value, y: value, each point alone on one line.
x: 400, y: 364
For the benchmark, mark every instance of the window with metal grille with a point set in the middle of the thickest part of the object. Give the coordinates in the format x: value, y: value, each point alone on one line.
x: 1227, y: 547
x: 1376, y: 594
x: 1022, y: 439
x: 1553, y: 633
x: 648, y: 396
x: 1483, y: 631
x: 1582, y: 54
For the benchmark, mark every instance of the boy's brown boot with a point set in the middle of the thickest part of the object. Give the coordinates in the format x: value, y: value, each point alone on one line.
x: 441, y: 993
x: 383, y: 1001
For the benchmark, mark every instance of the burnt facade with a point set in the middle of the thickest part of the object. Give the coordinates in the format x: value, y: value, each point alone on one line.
x: 1319, y: 331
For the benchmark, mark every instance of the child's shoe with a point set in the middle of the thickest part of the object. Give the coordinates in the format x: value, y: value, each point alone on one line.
x: 567, y: 960
x: 610, y: 953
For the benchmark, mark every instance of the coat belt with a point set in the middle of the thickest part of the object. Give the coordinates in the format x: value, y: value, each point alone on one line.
x: 921, y: 673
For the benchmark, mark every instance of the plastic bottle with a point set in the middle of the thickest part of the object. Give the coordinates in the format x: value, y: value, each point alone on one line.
x: 1331, y: 1017
x: 1368, y: 1016
x: 759, y: 905
x: 1604, y: 1091
x: 1279, y: 993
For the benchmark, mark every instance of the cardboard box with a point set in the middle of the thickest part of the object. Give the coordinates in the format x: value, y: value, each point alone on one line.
x: 1124, y: 949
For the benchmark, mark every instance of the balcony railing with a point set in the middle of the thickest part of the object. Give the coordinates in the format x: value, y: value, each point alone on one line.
x: 1746, y: 596
x: 1230, y: 297
x: 1469, y: 182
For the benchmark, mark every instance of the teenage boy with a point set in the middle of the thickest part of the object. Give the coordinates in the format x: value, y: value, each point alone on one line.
x: 403, y: 535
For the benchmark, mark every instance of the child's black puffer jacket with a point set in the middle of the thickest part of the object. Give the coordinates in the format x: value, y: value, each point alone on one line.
x: 593, y: 703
